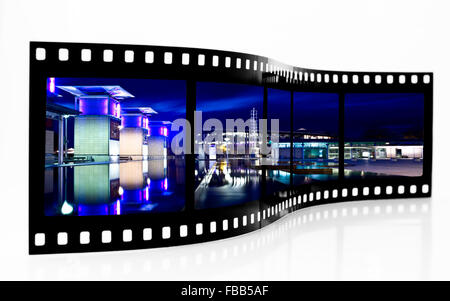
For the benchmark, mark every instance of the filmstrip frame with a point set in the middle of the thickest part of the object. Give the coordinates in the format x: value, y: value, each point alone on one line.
x: 104, y: 233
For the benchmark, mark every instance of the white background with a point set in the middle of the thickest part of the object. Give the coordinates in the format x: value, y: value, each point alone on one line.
x: 341, y: 35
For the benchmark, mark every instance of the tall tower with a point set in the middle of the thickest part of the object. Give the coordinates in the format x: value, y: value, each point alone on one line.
x: 253, y: 132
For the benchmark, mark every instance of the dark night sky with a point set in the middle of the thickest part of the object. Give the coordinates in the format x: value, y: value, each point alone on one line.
x: 396, y: 116
x: 279, y: 107
x: 383, y: 116
x: 316, y: 112
x: 228, y: 101
x: 167, y: 97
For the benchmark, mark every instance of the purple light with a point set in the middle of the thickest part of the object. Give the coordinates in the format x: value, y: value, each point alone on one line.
x: 145, y: 125
x: 118, y: 110
x: 93, y: 106
x: 163, y: 131
x: 51, y: 84
x: 147, y: 194
x: 131, y: 121
x: 166, y: 185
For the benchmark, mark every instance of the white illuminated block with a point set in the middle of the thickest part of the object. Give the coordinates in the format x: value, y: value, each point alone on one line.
x: 168, y: 58
x: 127, y: 235
x: 166, y: 232
x: 62, y: 238
x: 199, y: 229
x: 129, y: 56
x: 225, y: 225
x: 183, y: 231
x: 40, y: 54
x: 39, y: 239
x: 149, y: 57
x: 147, y: 234
x: 84, y: 237
x: 215, y: 61
x: 106, y: 236
x: 108, y: 55
x: 85, y: 55
x: 201, y: 59
x: 185, y: 58
x: 63, y: 54
x: 213, y: 227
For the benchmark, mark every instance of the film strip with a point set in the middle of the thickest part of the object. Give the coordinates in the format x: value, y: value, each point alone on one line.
x: 87, y: 198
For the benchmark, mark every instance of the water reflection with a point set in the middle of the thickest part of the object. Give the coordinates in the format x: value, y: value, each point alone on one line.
x: 116, y: 189
x: 158, y: 185
x: 307, y: 171
x: 226, y: 182
x: 385, y: 239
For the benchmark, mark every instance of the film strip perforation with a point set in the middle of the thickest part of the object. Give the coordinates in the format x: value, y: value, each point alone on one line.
x: 219, y: 60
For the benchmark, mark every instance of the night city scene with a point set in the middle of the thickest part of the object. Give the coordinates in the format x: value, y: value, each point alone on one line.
x: 384, y: 134
x: 316, y: 146
x: 224, y: 176
x: 115, y: 135
x: 116, y: 139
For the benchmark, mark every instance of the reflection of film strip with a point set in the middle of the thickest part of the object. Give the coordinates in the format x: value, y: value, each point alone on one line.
x: 53, y: 234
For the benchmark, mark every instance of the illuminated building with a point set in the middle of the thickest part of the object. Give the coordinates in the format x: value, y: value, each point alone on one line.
x: 96, y: 128
x: 134, y: 133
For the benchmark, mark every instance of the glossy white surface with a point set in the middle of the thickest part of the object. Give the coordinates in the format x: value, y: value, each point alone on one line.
x: 385, y: 239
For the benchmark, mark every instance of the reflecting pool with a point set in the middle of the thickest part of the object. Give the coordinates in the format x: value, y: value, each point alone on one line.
x: 308, y: 171
x: 223, y: 183
x: 228, y: 182
x: 385, y: 167
x: 116, y: 189
x: 155, y: 186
